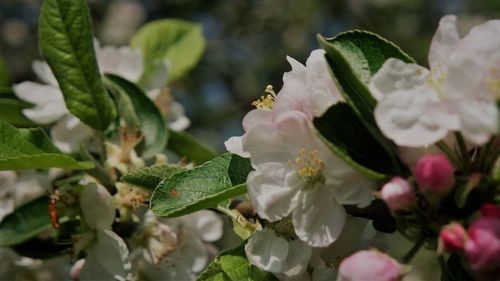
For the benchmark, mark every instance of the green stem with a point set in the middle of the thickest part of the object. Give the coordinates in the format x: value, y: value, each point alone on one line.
x: 463, y: 150
x: 414, y: 250
x: 449, y: 153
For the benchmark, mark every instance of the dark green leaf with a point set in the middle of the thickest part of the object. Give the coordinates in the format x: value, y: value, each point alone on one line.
x: 138, y: 110
x: 11, y: 111
x: 202, y: 187
x: 4, y: 74
x: 233, y: 265
x: 66, y: 43
x: 185, y: 145
x: 342, y: 131
x: 455, y: 270
x: 25, y: 223
x: 179, y: 42
x: 150, y: 177
x: 31, y: 149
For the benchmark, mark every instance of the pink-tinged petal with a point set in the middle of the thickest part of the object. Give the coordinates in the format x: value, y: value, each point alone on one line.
x: 235, y: 146
x: 298, y: 70
x: 369, y: 265
x: 273, y: 190
x: 267, y: 251
x: 43, y: 71
x: 294, y: 96
x: 405, y: 117
x: 443, y: 42
x: 256, y: 117
x: 311, y: 224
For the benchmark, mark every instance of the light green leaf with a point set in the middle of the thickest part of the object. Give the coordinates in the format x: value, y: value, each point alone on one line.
x: 233, y: 265
x: 11, y: 111
x: 138, y: 110
x: 150, y: 177
x: 25, y: 223
x: 343, y: 132
x: 31, y: 149
x: 180, y: 43
x: 5, y: 79
x: 66, y: 43
x: 185, y: 145
x: 202, y: 187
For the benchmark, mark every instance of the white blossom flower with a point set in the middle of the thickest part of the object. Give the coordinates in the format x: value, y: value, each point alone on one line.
x: 417, y: 107
x: 106, y: 252
x: 308, y: 89
x: 295, y: 174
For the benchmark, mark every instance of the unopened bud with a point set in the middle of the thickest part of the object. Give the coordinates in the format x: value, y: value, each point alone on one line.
x: 452, y: 238
x: 434, y: 173
x: 482, y: 248
x: 367, y: 265
x: 489, y: 210
x: 397, y: 194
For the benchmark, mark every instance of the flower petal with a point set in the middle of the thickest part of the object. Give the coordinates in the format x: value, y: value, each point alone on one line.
x: 267, y: 251
x: 479, y: 120
x: 43, y: 71
x: 208, y: 224
x: 97, y: 206
x: 444, y: 40
x: 235, y: 145
x: 123, y: 61
x: 69, y: 132
x: 312, y: 224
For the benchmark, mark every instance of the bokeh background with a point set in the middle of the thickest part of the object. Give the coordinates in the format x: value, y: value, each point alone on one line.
x: 247, y: 41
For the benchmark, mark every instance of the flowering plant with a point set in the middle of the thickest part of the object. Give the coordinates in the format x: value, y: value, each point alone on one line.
x: 359, y: 149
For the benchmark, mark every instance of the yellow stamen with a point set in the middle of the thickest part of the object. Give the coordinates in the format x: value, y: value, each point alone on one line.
x: 267, y: 101
x: 493, y: 82
x: 308, y: 165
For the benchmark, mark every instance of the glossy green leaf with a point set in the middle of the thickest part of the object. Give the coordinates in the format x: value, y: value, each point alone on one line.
x: 138, y: 110
x: 180, y: 43
x: 66, y: 43
x: 150, y: 177
x: 233, y: 265
x: 25, y: 223
x: 185, y: 145
x: 31, y: 149
x: 202, y: 187
x: 11, y: 111
x: 343, y: 132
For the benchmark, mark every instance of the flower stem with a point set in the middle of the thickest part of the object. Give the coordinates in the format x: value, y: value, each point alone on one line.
x: 463, y: 150
x: 414, y: 250
x: 449, y: 153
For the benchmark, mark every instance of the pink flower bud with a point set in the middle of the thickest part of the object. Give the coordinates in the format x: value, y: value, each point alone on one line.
x: 482, y: 248
x: 397, y: 194
x: 489, y: 210
x: 369, y: 265
x: 452, y: 238
x: 434, y: 172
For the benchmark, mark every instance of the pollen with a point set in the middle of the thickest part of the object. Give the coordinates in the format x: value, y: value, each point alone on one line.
x: 266, y: 101
x: 307, y: 164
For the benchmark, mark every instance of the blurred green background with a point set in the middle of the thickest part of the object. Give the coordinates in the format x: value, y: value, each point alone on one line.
x: 247, y: 41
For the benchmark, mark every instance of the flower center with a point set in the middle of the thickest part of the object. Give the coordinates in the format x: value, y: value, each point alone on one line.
x: 266, y: 101
x: 436, y: 79
x: 493, y: 82
x: 307, y: 164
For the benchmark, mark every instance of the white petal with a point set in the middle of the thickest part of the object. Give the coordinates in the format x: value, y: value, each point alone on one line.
x: 479, y: 120
x: 256, y: 117
x: 43, y: 71
x: 318, y: 219
x: 267, y: 251
x: 68, y: 132
x: 396, y: 75
x: 180, y: 124
x: 48, y: 101
x: 97, y: 206
x: 106, y: 259
x: 123, y: 61
x: 444, y: 40
x: 297, y: 260
x: 298, y: 70
x: 273, y: 190
x: 483, y: 38
x: 208, y: 225
x: 176, y: 117
x: 235, y: 145
x: 409, y: 117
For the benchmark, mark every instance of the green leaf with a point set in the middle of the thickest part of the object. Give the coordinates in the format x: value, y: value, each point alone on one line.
x: 11, y: 111
x: 202, y: 187
x: 150, y: 177
x: 233, y: 265
x: 180, y: 43
x: 5, y: 79
x: 354, y: 57
x: 31, y: 149
x: 138, y: 110
x: 25, y: 223
x: 185, y: 145
x: 66, y: 43
x: 346, y: 135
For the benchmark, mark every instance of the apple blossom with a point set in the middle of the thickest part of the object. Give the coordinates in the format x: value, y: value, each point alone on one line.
x: 369, y: 265
x: 398, y: 194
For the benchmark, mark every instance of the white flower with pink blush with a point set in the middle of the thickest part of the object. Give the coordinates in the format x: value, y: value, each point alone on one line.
x: 417, y: 107
x: 295, y: 174
x: 306, y: 88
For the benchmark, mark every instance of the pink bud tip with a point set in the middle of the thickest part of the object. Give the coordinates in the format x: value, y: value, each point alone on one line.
x: 452, y: 237
x: 489, y: 210
x: 434, y: 172
x: 482, y: 248
x: 397, y: 194
x: 368, y: 264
